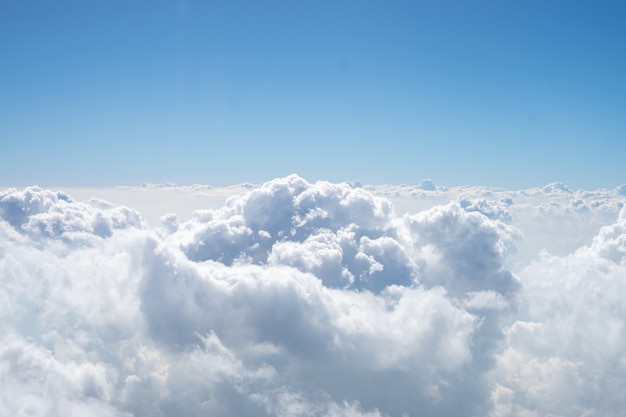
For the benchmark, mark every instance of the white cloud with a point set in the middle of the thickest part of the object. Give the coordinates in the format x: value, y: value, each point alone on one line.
x: 300, y: 299
x: 42, y: 212
x: 566, y: 356
x: 37, y: 383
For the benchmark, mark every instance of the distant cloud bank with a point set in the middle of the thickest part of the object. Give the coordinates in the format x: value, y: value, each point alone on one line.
x: 316, y: 299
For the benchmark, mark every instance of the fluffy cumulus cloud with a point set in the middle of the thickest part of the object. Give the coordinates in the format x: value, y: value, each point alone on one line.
x: 566, y: 354
x: 301, y: 299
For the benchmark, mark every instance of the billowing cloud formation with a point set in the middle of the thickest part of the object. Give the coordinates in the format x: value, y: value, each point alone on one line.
x: 47, y: 214
x: 300, y: 299
x: 567, y: 355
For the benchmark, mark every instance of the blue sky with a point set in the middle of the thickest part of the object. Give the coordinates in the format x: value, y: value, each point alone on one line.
x: 503, y: 93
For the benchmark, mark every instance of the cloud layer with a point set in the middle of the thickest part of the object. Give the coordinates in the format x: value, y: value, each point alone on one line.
x: 300, y: 299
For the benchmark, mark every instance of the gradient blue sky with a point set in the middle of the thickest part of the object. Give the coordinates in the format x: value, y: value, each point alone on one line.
x: 502, y: 93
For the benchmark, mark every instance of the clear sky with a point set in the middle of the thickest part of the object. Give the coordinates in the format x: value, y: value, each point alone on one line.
x: 503, y: 93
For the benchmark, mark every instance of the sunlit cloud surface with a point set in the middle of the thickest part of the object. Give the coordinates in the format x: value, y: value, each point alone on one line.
x: 316, y: 299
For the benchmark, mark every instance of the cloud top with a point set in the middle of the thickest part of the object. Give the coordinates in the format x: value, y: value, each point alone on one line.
x: 301, y: 299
